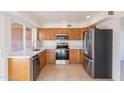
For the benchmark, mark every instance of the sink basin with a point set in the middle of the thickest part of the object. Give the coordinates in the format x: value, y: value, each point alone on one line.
x: 36, y: 50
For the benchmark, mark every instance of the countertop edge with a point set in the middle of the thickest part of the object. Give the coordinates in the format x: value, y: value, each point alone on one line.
x: 26, y: 56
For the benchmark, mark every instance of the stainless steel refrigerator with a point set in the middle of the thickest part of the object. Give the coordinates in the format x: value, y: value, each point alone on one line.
x: 97, y: 47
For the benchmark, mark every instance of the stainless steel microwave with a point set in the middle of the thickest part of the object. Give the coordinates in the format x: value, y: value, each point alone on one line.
x: 61, y: 36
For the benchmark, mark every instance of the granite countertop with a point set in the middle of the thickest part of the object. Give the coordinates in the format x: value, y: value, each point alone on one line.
x: 24, y: 53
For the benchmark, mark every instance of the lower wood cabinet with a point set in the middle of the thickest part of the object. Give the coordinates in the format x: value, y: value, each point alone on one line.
x: 43, y: 58
x: 19, y: 69
x: 81, y: 56
x: 51, y: 58
x: 75, y: 56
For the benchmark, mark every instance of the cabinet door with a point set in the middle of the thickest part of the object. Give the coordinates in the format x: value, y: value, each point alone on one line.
x: 52, y: 34
x: 19, y: 69
x: 74, y: 56
x: 75, y: 34
x: 50, y: 56
x: 42, y: 58
x: 58, y: 30
x: 44, y: 34
x: 81, y: 56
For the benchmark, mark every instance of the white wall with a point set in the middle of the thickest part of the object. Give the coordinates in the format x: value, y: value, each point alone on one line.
x: 51, y: 44
x: 62, y: 25
x: 5, y: 23
x: 24, y: 18
x: 114, y: 24
x: 122, y: 40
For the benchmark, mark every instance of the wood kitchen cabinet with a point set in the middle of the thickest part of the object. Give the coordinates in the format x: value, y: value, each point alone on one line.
x: 61, y: 31
x: 81, y: 56
x: 51, y: 58
x: 43, y: 59
x: 19, y: 69
x: 46, y: 34
x: 50, y: 33
x: 74, y: 34
x: 75, y: 56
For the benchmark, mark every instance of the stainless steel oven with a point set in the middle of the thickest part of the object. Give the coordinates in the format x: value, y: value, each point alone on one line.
x: 62, y: 53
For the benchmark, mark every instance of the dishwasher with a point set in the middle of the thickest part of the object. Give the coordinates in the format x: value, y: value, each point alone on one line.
x: 36, y: 67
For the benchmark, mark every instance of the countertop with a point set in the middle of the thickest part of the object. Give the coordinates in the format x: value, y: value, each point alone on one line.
x: 24, y: 53
x: 29, y: 53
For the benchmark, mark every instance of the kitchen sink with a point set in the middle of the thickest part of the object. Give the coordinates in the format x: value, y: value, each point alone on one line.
x: 36, y: 49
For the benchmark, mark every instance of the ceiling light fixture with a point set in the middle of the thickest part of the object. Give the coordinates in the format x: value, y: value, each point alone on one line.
x: 64, y: 22
x: 87, y: 17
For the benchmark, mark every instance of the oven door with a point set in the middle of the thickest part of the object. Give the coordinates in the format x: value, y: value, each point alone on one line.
x: 62, y: 56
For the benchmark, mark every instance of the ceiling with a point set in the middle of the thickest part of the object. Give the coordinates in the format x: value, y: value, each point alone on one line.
x: 62, y: 16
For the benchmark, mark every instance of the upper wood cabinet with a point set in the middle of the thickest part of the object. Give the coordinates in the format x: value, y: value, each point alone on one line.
x: 50, y: 33
x: 74, y: 34
x: 46, y: 34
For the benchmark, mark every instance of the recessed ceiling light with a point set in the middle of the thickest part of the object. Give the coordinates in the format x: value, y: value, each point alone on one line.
x: 87, y: 17
x: 64, y: 22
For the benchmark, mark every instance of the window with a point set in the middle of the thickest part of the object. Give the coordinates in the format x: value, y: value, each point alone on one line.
x: 16, y: 36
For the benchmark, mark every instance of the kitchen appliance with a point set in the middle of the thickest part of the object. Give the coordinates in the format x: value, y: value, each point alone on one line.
x: 36, y: 67
x: 62, y: 36
x: 62, y: 53
x: 97, y: 47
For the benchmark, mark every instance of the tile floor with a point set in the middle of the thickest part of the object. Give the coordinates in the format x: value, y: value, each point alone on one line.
x: 70, y: 72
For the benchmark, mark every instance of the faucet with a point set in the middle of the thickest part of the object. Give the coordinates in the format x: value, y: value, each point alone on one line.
x: 33, y: 46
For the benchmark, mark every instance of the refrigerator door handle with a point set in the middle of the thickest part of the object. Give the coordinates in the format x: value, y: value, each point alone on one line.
x: 89, y: 60
x: 88, y: 65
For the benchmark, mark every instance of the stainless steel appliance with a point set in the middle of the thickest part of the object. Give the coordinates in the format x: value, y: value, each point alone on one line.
x: 61, y: 36
x: 36, y: 67
x: 62, y: 53
x: 97, y: 45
